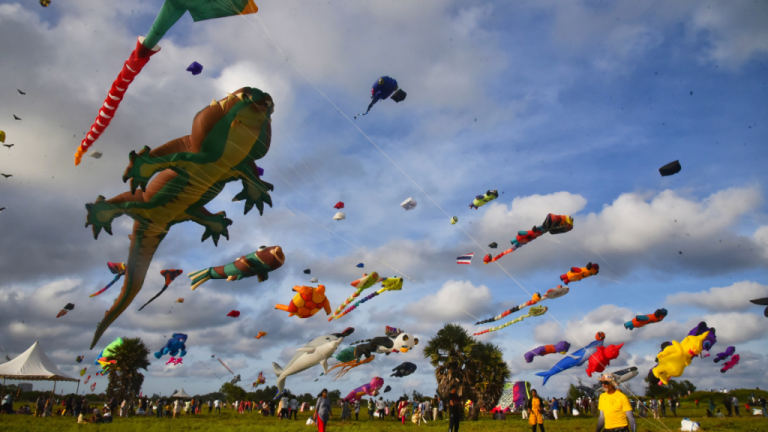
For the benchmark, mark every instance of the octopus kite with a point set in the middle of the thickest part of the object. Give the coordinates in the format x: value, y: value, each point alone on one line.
x: 307, y: 302
x: 227, y: 137
x: 553, y: 224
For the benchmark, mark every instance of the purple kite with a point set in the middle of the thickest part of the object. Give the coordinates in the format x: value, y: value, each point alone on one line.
x: 195, y: 68
x: 370, y: 389
x: 561, y: 347
x: 725, y: 354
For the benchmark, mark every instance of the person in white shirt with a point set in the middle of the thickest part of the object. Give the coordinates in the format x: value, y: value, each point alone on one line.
x: 380, y: 405
x: 294, y: 409
x: 217, y: 404
x: 283, y: 410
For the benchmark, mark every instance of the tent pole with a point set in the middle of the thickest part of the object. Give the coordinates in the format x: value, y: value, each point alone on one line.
x: 78, y: 388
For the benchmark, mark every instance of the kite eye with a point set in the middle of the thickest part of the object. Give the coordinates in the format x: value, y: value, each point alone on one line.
x: 261, y: 248
x: 405, y: 338
x: 381, y: 81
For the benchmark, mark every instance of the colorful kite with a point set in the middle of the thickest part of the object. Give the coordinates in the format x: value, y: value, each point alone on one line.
x: 307, y: 302
x: 259, y: 380
x: 553, y: 224
x: 176, y: 344
x: 82, y: 371
x: 117, y: 269
x: 643, y: 320
x: 561, y: 347
x: 576, y: 358
x: 725, y: 354
x: 259, y: 264
x: 67, y: 307
x: 675, y: 357
x: 730, y: 363
x: 365, y: 282
x: 360, y: 265
x: 388, y: 284
x: 534, y: 311
x: 482, y: 200
x: 93, y: 387
x: 579, y: 273
x: 553, y: 293
x: 170, y: 13
x: 88, y: 378
x: 352, y: 356
x: 383, y: 88
x: 103, y: 358
x: 170, y: 275
x: 79, y: 359
x: 709, y: 341
x: 465, y: 259
x: 602, y: 358
x: 174, y: 361
x: 403, y: 370
x: 260, y: 335
x: 454, y: 220
x: 225, y: 366
x: 180, y: 300
x: 2, y: 136
x: 370, y: 389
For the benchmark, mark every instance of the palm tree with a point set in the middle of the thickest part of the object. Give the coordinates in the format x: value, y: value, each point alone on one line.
x: 491, y: 371
x: 125, y: 380
x: 449, y: 353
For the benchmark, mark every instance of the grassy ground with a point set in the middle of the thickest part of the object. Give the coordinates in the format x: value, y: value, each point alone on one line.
x: 231, y: 421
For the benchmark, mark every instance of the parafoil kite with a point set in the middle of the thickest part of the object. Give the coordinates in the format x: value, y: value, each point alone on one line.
x: 307, y: 302
x: 762, y: 302
x: 482, y: 200
x: 602, y: 358
x: 670, y: 169
x: 643, y: 320
x: 103, y: 358
x: 307, y: 271
x: 553, y: 293
x: 730, y: 363
x: 388, y: 284
x: 404, y: 369
x: 225, y: 366
x: 316, y: 351
x: 579, y: 273
x: 180, y: 300
x: 259, y: 380
x: 493, y: 245
x: 170, y: 13
x: 261, y: 335
x: 173, y: 361
x: 196, y: 68
x: 576, y: 358
x: 360, y: 265
x: 88, y: 378
x: 561, y: 347
x: 362, y: 352
x: 82, y: 371
x: 553, y: 224
x: 259, y: 264
x: 339, y: 205
x: 386, y: 389
x: 117, y: 269
x: 233, y: 314
x: 79, y: 359
x: 67, y: 307
x: 313, y: 280
x: 370, y: 389
x: 170, y: 275
x: 339, y: 216
x: 725, y: 354
x: 408, y: 204
x: 534, y: 311
x: 674, y: 358
x: 95, y: 154
x: 176, y: 343
x: 365, y: 282
x: 188, y: 178
x: 383, y: 88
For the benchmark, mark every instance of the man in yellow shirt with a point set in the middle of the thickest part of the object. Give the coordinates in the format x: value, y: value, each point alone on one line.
x: 615, y: 410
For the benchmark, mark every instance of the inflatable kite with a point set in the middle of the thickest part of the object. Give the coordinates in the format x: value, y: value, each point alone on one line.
x: 674, y: 358
x: 260, y: 335
x: 174, y: 361
x: 236, y: 132
x: 307, y: 302
x: 79, y: 359
x: 388, y: 388
x: 95, y: 154
x: 643, y: 320
x: 339, y: 205
x: 493, y: 245
x: 316, y: 351
x: 403, y: 370
x: 313, y: 280
x: 117, y: 269
x: 534, y: 311
x: 176, y: 343
x: 103, y: 358
x: 369, y: 389
x: 93, y: 387
x: 553, y: 224
x: 233, y: 314
x: 225, y: 366
x: 170, y: 275
x: 259, y: 264
x: 482, y: 200
x: 408, y: 204
x: 730, y: 363
x: 180, y: 300
x: 602, y: 358
x: 454, y: 220
x: 362, y: 352
x: 577, y: 358
x: 67, y: 307
x: 383, y: 88
x: 259, y: 380
x: 360, y: 265
x: 365, y: 282
x: 725, y: 354
x: 236, y: 379
x: 307, y: 271
x: 82, y: 371
x: 196, y: 68
x: 670, y: 169
x: 88, y: 378
x: 561, y: 347
x: 709, y: 341
x: 339, y: 216
x: 170, y: 13
x: 579, y: 273
x: 762, y: 302
x: 550, y: 294
x: 2, y: 136
x: 388, y: 284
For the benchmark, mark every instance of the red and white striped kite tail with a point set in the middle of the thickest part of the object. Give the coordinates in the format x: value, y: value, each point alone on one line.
x: 135, y: 63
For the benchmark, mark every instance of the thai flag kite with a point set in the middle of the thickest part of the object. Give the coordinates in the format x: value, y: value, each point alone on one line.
x: 465, y: 259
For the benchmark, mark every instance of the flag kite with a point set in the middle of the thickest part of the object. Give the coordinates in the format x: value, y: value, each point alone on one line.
x: 465, y: 259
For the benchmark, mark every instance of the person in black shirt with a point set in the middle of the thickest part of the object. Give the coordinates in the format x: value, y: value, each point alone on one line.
x: 454, y: 410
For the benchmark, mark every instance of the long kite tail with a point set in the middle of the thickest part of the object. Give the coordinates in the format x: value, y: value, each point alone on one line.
x: 345, y: 304
x: 354, y: 306
x: 117, y: 277
x: 135, y: 63
x: 156, y: 296
x: 535, y: 311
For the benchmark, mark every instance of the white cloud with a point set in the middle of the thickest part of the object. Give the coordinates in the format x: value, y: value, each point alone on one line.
x: 731, y: 298
x: 455, y: 301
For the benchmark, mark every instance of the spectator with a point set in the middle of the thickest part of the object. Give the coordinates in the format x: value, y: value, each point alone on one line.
x: 322, y: 410
x: 295, y: 408
x: 535, y: 408
x: 380, y: 405
x: 727, y: 403
x: 217, y: 404
x: 555, y: 407
x: 673, y: 406
x: 456, y: 409
x: 440, y: 407
x: 357, y: 409
x: 371, y: 408
x: 763, y: 404
x: 40, y: 407
x: 402, y: 409
x: 176, y: 408
x: 426, y: 408
x: 736, y: 405
x: 615, y: 411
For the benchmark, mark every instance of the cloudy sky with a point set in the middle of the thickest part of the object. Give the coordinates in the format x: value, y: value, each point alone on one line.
x: 564, y: 107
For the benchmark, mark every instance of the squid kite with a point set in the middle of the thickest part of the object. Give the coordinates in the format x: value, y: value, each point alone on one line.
x: 579, y: 273
x: 534, y: 311
x: 561, y: 347
x: 550, y: 294
x: 643, y: 320
x: 365, y: 282
x: 388, y: 284
x: 117, y: 269
x: 553, y: 224
x: 170, y: 13
x: 259, y: 264
x: 307, y: 302
x: 482, y: 200
x: 170, y: 275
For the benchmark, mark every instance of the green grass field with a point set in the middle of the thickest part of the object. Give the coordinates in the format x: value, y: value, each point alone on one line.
x: 231, y: 421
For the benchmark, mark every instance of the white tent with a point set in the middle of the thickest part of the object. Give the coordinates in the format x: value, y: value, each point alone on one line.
x: 34, y: 365
x: 182, y: 394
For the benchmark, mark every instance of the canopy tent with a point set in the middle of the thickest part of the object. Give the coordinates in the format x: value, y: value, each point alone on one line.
x: 34, y: 365
x: 181, y: 394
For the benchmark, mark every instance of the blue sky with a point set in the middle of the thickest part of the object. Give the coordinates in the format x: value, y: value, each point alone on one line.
x: 564, y: 108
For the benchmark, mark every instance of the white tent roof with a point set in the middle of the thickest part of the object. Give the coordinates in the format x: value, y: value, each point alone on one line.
x: 182, y: 394
x: 33, y: 365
